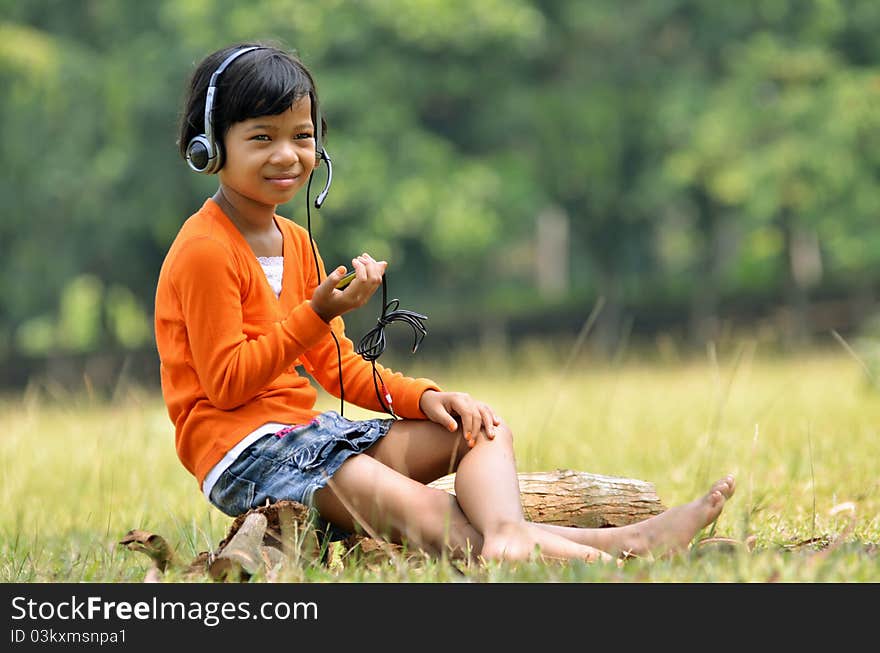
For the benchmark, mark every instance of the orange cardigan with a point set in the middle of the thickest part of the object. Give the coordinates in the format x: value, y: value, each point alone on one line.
x: 229, y: 347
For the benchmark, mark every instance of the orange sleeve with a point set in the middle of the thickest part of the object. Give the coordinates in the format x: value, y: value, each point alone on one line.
x: 232, y: 368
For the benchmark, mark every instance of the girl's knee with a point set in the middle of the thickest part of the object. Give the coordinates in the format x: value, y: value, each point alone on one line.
x: 504, y: 431
x: 503, y: 436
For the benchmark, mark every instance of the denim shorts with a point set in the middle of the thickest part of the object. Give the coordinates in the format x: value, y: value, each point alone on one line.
x: 293, y: 463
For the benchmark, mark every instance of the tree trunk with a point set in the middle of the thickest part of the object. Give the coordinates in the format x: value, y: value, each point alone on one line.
x: 803, y: 271
x: 712, y: 253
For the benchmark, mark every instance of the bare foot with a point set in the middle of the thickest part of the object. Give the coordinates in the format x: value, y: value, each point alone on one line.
x: 509, y: 543
x: 521, y: 542
x: 672, y: 531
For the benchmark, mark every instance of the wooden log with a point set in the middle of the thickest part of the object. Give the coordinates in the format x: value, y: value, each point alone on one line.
x: 572, y: 498
x: 242, y: 557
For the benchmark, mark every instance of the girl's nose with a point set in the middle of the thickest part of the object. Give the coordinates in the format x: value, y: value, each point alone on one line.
x: 284, y: 153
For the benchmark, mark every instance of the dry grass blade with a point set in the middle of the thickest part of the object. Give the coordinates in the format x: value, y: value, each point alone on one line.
x: 855, y: 356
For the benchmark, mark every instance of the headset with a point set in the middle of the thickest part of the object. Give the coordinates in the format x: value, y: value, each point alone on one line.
x: 204, y: 155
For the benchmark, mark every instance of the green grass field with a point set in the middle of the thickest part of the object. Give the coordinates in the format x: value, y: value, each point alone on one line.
x: 800, y: 433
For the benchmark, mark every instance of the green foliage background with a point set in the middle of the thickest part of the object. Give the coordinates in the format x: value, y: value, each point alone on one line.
x: 710, y: 160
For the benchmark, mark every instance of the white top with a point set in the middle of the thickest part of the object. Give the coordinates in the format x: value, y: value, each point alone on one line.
x: 273, y: 266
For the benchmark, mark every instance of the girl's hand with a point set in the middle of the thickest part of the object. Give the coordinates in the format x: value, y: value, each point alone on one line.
x: 443, y: 407
x: 328, y: 302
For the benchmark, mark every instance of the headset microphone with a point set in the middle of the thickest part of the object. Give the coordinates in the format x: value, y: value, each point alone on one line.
x: 322, y: 154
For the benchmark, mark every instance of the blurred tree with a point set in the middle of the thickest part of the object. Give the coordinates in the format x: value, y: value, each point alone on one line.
x: 687, y: 152
x: 784, y: 144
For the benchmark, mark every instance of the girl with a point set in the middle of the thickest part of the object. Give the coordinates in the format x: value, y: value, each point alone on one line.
x: 243, y: 301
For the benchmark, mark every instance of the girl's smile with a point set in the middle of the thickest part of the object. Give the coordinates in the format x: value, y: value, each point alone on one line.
x: 284, y: 181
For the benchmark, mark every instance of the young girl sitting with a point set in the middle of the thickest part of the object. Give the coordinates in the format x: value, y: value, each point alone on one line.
x: 243, y: 301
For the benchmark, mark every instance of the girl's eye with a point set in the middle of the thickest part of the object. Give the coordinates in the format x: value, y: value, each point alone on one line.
x: 260, y: 137
x: 303, y: 136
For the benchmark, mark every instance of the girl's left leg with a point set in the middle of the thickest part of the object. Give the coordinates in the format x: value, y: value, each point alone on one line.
x: 425, y: 451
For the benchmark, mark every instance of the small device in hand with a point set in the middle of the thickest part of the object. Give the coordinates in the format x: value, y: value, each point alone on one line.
x: 344, y: 281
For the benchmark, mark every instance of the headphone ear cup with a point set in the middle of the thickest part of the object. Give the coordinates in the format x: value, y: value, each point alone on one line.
x: 200, y: 155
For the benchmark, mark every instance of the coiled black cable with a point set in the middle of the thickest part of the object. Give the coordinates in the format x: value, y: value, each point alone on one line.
x: 372, y: 345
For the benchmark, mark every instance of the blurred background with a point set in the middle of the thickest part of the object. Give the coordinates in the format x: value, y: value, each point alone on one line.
x: 688, y: 171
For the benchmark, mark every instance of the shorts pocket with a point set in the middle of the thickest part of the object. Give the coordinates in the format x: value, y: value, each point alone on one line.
x: 232, y: 494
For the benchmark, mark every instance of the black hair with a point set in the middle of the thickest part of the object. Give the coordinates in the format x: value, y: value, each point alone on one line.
x: 262, y: 82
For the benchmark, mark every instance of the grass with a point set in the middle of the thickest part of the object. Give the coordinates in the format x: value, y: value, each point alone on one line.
x: 799, y: 432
